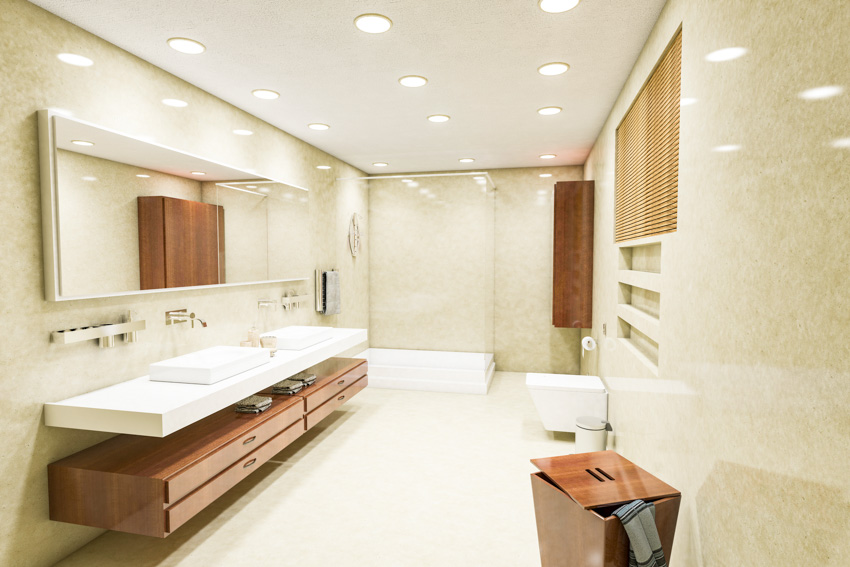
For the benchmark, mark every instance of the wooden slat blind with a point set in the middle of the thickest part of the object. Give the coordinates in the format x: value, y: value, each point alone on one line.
x: 647, y: 158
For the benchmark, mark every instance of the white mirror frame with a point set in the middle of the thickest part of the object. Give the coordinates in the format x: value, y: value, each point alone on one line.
x: 50, y: 218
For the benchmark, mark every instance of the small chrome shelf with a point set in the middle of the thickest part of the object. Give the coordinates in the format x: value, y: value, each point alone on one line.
x: 289, y: 302
x: 105, y: 333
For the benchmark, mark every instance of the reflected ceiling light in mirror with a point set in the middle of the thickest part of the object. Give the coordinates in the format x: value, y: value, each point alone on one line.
x: 82, y: 143
x: 726, y: 148
x: 820, y: 93
x: 552, y: 69
x: 466, y: 160
x: 186, y: 45
x: 175, y: 102
x: 265, y: 94
x: 549, y: 110
x: 323, y: 167
x: 142, y: 175
x: 303, y: 199
x: 198, y: 173
x: 439, y: 118
x: 318, y: 126
x: 88, y: 178
x: 687, y: 101
x: 373, y: 23
x: 262, y: 189
x: 413, y: 81
x: 545, y: 175
x: 842, y: 143
x: 75, y: 60
x: 423, y: 191
x: 431, y: 196
x: 407, y: 181
x: 726, y: 54
x: 242, y: 132
x: 557, y: 6
x: 380, y: 164
x: 548, y: 156
x: 542, y: 191
x: 253, y: 187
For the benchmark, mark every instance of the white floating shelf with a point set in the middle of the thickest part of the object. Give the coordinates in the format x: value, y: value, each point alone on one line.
x: 157, y: 409
x: 643, y: 322
x: 644, y: 280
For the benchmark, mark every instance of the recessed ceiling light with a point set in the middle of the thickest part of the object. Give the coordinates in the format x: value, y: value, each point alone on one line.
x: 89, y: 178
x: 380, y: 164
x: 323, y: 167
x: 548, y: 156
x: 265, y: 94
x: 198, y: 173
x: 545, y: 175
x: 242, y: 132
x: 549, y: 110
x: 687, y: 101
x: 185, y: 45
x: 841, y: 143
x: 439, y: 118
x: 142, y: 175
x: 551, y: 69
x: 466, y: 160
x: 726, y: 148
x: 176, y: 103
x: 413, y: 81
x: 318, y: 126
x: 819, y: 93
x: 373, y: 23
x: 726, y: 54
x: 76, y: 60
x: 82, y: 143
x: 557, y: 6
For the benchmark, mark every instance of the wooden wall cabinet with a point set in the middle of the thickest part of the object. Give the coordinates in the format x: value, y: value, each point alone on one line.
x: 181, y: 243
x: 152, y: 486
x: 572, y: 283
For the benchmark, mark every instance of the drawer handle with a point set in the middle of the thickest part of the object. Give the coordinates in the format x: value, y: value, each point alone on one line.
x: 249, y: 440
x: 249, y: 463
x: 339, y: 399
x: 340, y: 383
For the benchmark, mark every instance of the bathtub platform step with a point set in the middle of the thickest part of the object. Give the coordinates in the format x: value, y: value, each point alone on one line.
x: 430, y: 371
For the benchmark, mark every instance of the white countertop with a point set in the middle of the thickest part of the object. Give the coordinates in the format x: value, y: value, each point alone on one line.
x: 156, y: 409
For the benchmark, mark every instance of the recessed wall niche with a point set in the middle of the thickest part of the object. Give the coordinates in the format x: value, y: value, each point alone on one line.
x: 639, y: 302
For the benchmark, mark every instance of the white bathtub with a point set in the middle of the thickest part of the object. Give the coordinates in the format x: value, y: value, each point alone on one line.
x: 429, y: 370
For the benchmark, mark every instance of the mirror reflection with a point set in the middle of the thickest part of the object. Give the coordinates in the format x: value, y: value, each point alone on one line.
x: 134, y: 216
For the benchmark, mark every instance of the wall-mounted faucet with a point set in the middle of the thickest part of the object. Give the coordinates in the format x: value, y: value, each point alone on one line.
x: 181, y: 316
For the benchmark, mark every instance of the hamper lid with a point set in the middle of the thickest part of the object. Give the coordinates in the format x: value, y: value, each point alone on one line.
x: 602, y: 478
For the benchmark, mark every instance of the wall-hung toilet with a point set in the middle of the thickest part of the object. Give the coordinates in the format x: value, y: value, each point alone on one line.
x: 561, y: 398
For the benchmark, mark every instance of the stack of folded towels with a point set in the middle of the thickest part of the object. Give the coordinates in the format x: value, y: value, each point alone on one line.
x: 294, y: 384
x: 304, y: 377
x: 254, y: 404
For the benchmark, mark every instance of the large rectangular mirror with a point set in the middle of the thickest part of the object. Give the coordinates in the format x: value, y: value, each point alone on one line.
x: 125, y: 216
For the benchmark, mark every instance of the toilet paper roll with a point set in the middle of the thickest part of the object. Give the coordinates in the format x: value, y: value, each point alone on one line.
x: 588, y: 343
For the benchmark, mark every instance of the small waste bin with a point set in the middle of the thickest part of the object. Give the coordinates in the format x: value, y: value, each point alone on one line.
x: 591, y: 434
x: 574, y: 500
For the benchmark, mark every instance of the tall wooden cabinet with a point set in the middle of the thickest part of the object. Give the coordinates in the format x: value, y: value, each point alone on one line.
x: 572, y: 284
x: 181, y: 243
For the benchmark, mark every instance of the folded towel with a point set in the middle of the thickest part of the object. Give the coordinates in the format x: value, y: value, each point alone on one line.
x: 638, y: 519
x: 288, y: 387
x: 304, y: 377
x: 330, y: 293
x: 253, y: 404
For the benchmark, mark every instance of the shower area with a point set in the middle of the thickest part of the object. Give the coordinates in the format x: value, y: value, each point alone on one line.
x: 431, y: 280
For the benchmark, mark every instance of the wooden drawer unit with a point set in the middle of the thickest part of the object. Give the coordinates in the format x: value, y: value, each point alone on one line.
x: 151, y: 485
x: 340, y: 397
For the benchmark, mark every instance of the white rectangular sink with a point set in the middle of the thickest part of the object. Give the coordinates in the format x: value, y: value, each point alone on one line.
x: 298, y: 338
x: 208, y: 366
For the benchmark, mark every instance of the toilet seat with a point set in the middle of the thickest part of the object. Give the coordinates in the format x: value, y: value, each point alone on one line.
x: 564, y: 382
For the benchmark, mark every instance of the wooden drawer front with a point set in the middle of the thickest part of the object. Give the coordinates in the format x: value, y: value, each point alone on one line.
x: 181, y: 512
x: 330, y: 390
x: 186, y: 480
x: 340, y: 398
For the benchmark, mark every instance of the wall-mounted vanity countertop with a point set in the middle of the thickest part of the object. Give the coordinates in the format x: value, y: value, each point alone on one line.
x: 157, y: 409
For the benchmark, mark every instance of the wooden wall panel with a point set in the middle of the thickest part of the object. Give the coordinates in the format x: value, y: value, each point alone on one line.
x: 572, y: 283
x: 647, y: 159
x: 151, y: 243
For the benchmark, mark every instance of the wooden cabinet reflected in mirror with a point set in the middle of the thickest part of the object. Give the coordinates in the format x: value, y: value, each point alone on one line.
x: 181, y: 243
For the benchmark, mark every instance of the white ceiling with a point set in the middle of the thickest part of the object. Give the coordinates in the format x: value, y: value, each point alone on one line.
x: 480, y: 56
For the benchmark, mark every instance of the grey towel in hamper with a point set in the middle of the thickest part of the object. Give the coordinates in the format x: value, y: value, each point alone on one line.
x: 253, y: 404
x: 638, y: 519
x: 288, y: 387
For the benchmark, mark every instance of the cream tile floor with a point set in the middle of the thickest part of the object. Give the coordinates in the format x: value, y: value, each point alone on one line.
x: 394, y: 478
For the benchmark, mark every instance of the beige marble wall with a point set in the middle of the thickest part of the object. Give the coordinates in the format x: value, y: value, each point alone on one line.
x: 123, y: 93
x: 748, y: 414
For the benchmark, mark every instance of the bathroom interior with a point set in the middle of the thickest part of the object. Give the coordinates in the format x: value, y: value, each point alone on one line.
x: 376, y: 180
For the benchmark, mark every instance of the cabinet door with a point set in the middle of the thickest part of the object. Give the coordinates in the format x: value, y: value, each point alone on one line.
x: 191, y: 243
x: 573, y: 263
